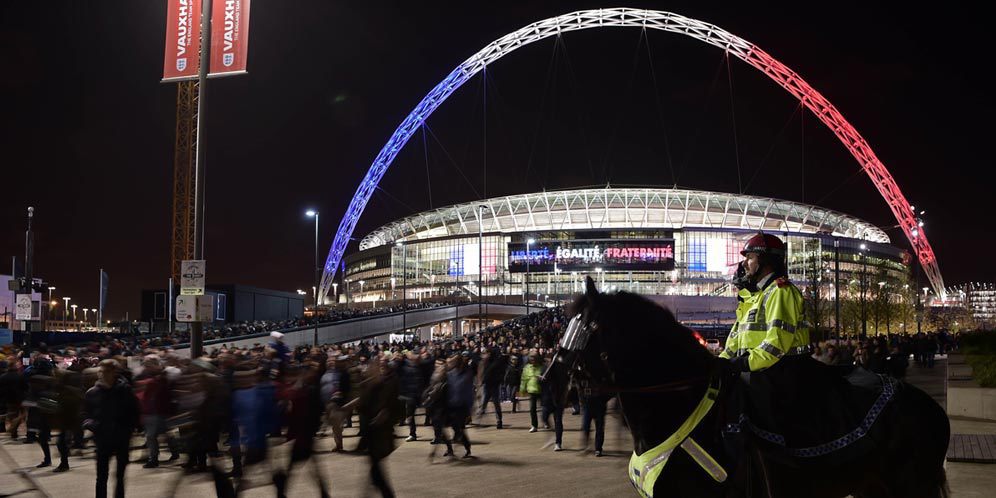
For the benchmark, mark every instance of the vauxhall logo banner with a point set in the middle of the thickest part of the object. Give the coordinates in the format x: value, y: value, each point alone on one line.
x: 183, y: 39
x: 229, y: 37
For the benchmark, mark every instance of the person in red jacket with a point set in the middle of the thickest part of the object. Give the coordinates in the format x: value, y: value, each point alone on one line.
x: 152, y: 390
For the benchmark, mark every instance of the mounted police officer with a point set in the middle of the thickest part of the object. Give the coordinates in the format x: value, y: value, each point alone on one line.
x: 770, y: 322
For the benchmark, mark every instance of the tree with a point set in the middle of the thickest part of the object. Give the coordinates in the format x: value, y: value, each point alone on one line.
x: 816, y: 305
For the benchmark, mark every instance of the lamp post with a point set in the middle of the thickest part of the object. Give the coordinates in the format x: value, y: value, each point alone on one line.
x: 94, y: 311
x: 65, y: 312
x: 881, y: 289
x: 404, y: 285
x: 314, y: 316
x: 74, y: 311
x: 85, y: 317
x: 335, y: 291
x: 836, y: 286
x: 51, y: 303
x: 480, y: 262
x: 529, y: 258
x: 864, y: 272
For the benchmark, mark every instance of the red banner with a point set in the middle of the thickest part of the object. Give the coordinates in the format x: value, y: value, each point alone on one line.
x: 229, y: 36
x: 183, y: 39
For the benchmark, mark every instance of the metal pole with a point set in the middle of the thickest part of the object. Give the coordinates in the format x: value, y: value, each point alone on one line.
x: 864, y: 274
x: 404, y: 287
x: 480, y: 263
x: 918, y: 307
x: 100, y: 299
x: 314, y: 291
x: 836, y: 284
x: 169, y: 308
x: 197, y: 329
x: 29, y: 250
x: 528, y: 259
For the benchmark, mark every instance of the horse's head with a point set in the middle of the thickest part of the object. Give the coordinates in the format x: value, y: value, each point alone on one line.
x: 621, y: 341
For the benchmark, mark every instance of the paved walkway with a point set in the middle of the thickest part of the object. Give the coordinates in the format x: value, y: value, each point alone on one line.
x: 510, y: 462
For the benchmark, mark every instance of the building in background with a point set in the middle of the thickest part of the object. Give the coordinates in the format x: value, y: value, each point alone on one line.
x: 976, y: 302
x: 232, y: 303
x: 679, y: 247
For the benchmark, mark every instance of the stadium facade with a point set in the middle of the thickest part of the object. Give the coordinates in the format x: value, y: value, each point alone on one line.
x: 652, y: 241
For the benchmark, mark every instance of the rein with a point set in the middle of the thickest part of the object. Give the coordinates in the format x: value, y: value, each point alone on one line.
x: 678, y: 385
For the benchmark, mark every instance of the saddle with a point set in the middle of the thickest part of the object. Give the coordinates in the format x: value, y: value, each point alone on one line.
x: 801, y: 410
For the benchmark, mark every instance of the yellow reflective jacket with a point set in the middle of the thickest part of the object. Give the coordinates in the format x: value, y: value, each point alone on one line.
x: 772, y: 325
x: 743, y: 304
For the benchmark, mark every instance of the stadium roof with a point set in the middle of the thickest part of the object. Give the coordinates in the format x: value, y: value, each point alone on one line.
x: 622, y: 209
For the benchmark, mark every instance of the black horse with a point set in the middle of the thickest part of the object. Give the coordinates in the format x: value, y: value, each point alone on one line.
x: 633, y: 347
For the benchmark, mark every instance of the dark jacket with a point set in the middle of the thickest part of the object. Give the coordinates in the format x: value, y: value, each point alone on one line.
x: 380, y: 395
x: 13, y: 389
x: 412, y: 383
x: 513, y: 375
x: 494, y: 370
x: 460, y: 389
x: 111, y: 412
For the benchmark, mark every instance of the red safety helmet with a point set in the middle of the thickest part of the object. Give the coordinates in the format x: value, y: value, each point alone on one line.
x: 763, y: 243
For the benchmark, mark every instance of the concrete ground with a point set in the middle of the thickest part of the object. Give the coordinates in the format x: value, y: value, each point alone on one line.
x: 509, y: 462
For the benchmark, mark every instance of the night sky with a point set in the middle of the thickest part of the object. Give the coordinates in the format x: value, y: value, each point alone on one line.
x: 88, y: 128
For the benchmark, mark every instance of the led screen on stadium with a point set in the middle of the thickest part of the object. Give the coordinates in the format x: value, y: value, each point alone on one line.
x: 586, y: 255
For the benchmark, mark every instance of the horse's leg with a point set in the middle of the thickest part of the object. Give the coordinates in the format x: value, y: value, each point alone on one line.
x: 913, y: 459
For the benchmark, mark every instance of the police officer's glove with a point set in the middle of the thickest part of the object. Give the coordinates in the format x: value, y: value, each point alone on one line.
x: 734, y: 366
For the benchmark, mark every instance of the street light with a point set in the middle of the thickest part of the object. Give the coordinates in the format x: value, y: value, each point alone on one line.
x: 529, y: 258
x: 94, y: 311
x: 301, y: 292
x: 74, y: 311
x: 480, y: 262
x: 404, y: 285
x: 65, y: 312
x: 335, y: 291
x: 314, y: 214
x: 864, y: 274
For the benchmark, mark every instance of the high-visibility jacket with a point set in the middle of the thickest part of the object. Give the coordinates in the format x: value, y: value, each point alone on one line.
x: 771, y: 327
x: 742, y: 306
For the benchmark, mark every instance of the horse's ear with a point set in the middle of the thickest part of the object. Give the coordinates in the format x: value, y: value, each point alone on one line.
x: 590, y: 291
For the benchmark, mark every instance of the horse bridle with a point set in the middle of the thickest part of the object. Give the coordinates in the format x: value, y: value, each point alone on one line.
x: 569, y: 352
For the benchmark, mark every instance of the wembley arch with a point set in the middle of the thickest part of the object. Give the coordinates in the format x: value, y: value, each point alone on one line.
x: 647, y: 19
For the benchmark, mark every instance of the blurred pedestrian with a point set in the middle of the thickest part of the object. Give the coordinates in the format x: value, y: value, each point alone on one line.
x: 111, y: 415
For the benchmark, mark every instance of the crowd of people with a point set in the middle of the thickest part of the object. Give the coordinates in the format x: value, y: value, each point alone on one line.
x: 222, y: 412
x: 884, y: 354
